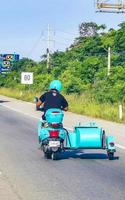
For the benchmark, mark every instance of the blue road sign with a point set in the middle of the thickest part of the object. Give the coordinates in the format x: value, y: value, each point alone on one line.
x: 6, y: 61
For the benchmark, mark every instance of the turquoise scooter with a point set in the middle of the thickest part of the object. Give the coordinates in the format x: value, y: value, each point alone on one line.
x: 54, y: 138
x: 52, y: 134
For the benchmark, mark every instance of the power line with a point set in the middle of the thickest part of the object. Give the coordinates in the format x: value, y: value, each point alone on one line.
x: 49, y: 41
x: 67, y: 33
x: 70, y: 35
x: 35, y: 44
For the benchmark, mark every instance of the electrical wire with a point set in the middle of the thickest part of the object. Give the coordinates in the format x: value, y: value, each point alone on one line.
x: 35, y: 45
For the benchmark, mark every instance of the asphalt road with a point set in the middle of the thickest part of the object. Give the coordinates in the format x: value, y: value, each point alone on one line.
x: 26, y: 175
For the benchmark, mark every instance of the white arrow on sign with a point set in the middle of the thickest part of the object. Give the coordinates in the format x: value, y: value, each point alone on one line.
x: 26, y: 78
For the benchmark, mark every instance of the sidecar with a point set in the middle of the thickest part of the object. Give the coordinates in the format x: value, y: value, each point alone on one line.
x: 90, y: 136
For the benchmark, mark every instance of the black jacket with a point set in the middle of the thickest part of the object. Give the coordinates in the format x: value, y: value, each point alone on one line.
x: 53, y: 99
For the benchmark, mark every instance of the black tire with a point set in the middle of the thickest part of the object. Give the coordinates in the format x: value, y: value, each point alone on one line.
x: 47, y: 155
x: 54, y: 156
x: 110, y: 155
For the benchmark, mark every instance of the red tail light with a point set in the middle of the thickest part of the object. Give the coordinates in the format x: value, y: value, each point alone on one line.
x: 54, y: 125
x: 112, y: 144
x: 54, y: 133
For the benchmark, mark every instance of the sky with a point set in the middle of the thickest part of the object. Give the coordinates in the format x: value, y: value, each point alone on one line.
x: 24, y: 24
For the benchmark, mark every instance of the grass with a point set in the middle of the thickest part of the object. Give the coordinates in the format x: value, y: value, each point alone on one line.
x: 83, y: 105
x: 78, y: 104
x: 25, y: 95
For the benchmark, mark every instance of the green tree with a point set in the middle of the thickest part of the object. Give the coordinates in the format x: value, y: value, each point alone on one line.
x: 88, y: 29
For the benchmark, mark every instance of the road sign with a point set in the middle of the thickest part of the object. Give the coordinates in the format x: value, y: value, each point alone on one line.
x: 10, y: 57
x: 6, y: 62
x: 27, y: 78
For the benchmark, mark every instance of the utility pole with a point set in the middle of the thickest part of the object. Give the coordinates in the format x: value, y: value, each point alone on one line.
x: 109, y: 61
x: 48, y: 47
x: 49, y: 40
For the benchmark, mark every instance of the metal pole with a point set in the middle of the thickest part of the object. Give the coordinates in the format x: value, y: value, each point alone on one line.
x: 48, y: 59
x: 120, y: 112
x: 109, y: 60
x: 48, y: 47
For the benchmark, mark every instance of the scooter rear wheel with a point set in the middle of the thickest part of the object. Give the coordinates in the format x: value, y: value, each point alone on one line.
x: 47, y: 155
x: 54, y: 156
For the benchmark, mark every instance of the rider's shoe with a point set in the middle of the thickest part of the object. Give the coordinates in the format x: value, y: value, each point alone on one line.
x: 44, y: 124
x: 40, y: 145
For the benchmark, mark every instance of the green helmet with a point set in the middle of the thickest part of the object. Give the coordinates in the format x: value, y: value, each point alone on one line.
x: 56, y: 84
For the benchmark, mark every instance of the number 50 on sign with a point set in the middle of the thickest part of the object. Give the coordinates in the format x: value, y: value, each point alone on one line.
x: 27, y: 78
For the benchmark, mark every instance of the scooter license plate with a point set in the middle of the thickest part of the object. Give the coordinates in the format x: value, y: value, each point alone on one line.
x: 54, y: 143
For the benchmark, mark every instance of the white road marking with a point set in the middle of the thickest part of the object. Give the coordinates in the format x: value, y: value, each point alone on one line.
x: 16, y: 110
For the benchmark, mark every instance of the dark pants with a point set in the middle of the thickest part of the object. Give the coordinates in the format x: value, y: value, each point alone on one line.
x: 43, y: 117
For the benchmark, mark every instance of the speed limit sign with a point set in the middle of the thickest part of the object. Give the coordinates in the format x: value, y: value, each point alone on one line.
x: 27, y: 78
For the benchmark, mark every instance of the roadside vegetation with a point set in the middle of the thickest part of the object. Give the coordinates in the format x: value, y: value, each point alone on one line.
x: 82, y: 68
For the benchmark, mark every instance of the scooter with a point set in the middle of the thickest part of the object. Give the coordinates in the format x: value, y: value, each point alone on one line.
x: 54, y: 138
x: 52, y: 134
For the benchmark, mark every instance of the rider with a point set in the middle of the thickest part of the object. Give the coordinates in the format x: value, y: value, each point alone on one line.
x: 53, y: 98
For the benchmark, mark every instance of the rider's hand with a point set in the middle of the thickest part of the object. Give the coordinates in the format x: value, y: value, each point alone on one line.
x: 65, y: 109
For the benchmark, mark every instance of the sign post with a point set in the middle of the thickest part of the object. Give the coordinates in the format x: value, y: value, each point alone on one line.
x: 120, y: 112
x: 27, y: 78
